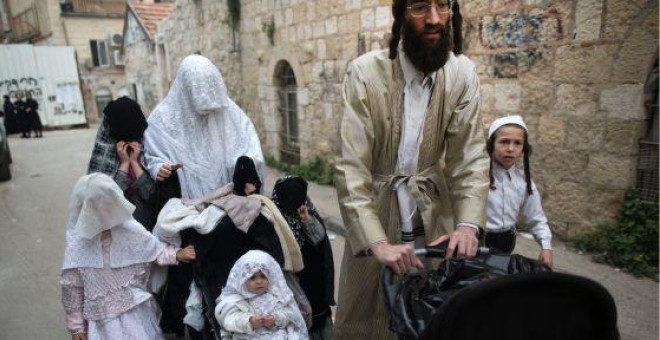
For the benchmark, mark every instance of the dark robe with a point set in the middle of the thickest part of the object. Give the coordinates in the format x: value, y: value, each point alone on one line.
x: 11, y: 119
x: 34, y: 121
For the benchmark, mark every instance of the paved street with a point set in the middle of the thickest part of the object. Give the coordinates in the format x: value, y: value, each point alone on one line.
x: 33, y: 214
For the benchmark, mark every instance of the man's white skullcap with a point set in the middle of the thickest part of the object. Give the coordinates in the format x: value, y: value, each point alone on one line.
x: 499, y: 122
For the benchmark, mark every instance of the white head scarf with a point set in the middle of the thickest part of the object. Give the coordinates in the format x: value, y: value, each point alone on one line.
x: 278, y: 297
x: 98, y: 204
x: 508, y: 120
x: 199, y: 126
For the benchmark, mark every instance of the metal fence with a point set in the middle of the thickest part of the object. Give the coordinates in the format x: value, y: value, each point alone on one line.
x: 647, y: 172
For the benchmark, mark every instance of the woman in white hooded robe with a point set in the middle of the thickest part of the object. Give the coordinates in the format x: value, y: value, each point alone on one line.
x: 200, y: 128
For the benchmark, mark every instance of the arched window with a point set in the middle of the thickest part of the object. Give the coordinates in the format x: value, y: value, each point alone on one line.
x: 288, y: 108
x: 103, y: 97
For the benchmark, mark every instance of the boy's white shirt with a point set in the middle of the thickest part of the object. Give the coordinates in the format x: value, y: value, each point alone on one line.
x: 510, y: 201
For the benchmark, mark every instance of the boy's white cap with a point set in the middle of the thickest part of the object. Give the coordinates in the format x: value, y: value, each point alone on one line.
x: 499, y: 122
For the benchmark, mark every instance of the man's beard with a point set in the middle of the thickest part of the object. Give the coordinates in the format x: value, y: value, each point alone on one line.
x: 426, y: 57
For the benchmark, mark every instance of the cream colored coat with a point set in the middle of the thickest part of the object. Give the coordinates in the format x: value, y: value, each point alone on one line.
x: 451, y: 185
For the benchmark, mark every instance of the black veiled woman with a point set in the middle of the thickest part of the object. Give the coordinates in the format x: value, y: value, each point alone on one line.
x: 317, y: 279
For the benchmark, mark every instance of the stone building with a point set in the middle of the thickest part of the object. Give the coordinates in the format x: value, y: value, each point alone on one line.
x: 92, y: 27
x: 575, y: 69
x: 141, y: 54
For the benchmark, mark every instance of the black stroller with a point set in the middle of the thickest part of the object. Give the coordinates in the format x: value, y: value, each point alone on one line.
x: 497, y: 296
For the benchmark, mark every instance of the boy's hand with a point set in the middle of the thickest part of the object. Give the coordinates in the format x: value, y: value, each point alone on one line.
x: 79, y: 336
x: 186, y: 254
x: 546, y: 257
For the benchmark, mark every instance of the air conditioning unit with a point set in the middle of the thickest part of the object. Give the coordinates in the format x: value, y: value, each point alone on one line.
x: 116, y: 39
x: 119, y: 58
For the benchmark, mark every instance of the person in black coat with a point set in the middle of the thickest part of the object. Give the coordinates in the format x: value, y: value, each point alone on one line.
x: 22, y: 114
x: 34, y: 122
x: 11, y: 120
x: 317, y: 278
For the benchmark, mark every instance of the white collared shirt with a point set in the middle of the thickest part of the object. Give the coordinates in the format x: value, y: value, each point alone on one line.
x: 510, y: 200
x: 416, y: 98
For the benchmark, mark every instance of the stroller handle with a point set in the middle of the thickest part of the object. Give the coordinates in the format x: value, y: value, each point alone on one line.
x: 442, y: 252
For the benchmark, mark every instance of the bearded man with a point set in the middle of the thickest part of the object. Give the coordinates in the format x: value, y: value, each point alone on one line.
x: 411, y: 167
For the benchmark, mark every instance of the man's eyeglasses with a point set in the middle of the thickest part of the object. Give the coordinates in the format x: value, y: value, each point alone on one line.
x: 421, y: 9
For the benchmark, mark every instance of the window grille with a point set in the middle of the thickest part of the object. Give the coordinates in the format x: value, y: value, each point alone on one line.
x: 288, y: 107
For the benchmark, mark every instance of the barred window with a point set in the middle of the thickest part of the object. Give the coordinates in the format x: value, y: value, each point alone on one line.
x: 288, y: 108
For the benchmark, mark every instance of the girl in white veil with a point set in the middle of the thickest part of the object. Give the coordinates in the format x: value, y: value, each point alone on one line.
x: 108, y: 260
x: 198, y: 127
x: 256, y: 302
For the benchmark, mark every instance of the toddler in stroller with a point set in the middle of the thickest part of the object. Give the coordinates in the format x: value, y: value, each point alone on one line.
x: 256, y: 302
x: 223, y: 226
x: 497, y: 296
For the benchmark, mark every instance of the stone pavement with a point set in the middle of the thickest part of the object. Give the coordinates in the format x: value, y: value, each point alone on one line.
x: 636, y: 299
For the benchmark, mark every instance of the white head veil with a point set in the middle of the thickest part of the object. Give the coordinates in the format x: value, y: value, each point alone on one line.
x: 278, y: 298
x: 199, y: 126
x: 98, y: 204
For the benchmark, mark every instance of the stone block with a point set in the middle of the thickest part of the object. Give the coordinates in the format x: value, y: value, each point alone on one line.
x: 567, y: 201
x: 622, y: 138
x: 624, y: 102
x: 331, y: 25
x: 303, y: 96
x: 367, y: 19
x: 487, y: 98
x: 584, y: 65
x: 585, y: 133
x: 537, y: 96
x: 551, y: 131
x: 505, y: 5
x: 558, y: 162
x: 575, y: 100
x: 607, y: 171
x: 636, y: 56
x: 537, y: 63
x: 383, y: 17
x: 318, y: 29
x: 605, y: 205
x: 619, y: 16
x: 484, y: 65
x: 507, y: 97
x: 288, y: 17
x: 311, y: 11
x: 474, y: 8
x: 588, y: 16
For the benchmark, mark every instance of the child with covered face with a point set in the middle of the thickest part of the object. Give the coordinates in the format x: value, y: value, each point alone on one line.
x: 256, y: 302
x: 108, y: 261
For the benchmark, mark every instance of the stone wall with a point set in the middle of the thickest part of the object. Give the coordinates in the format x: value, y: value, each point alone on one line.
x: 573, y: 68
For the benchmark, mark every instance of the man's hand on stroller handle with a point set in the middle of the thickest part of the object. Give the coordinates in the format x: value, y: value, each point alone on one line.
x: 463, y: 242
x: 399, y: 257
